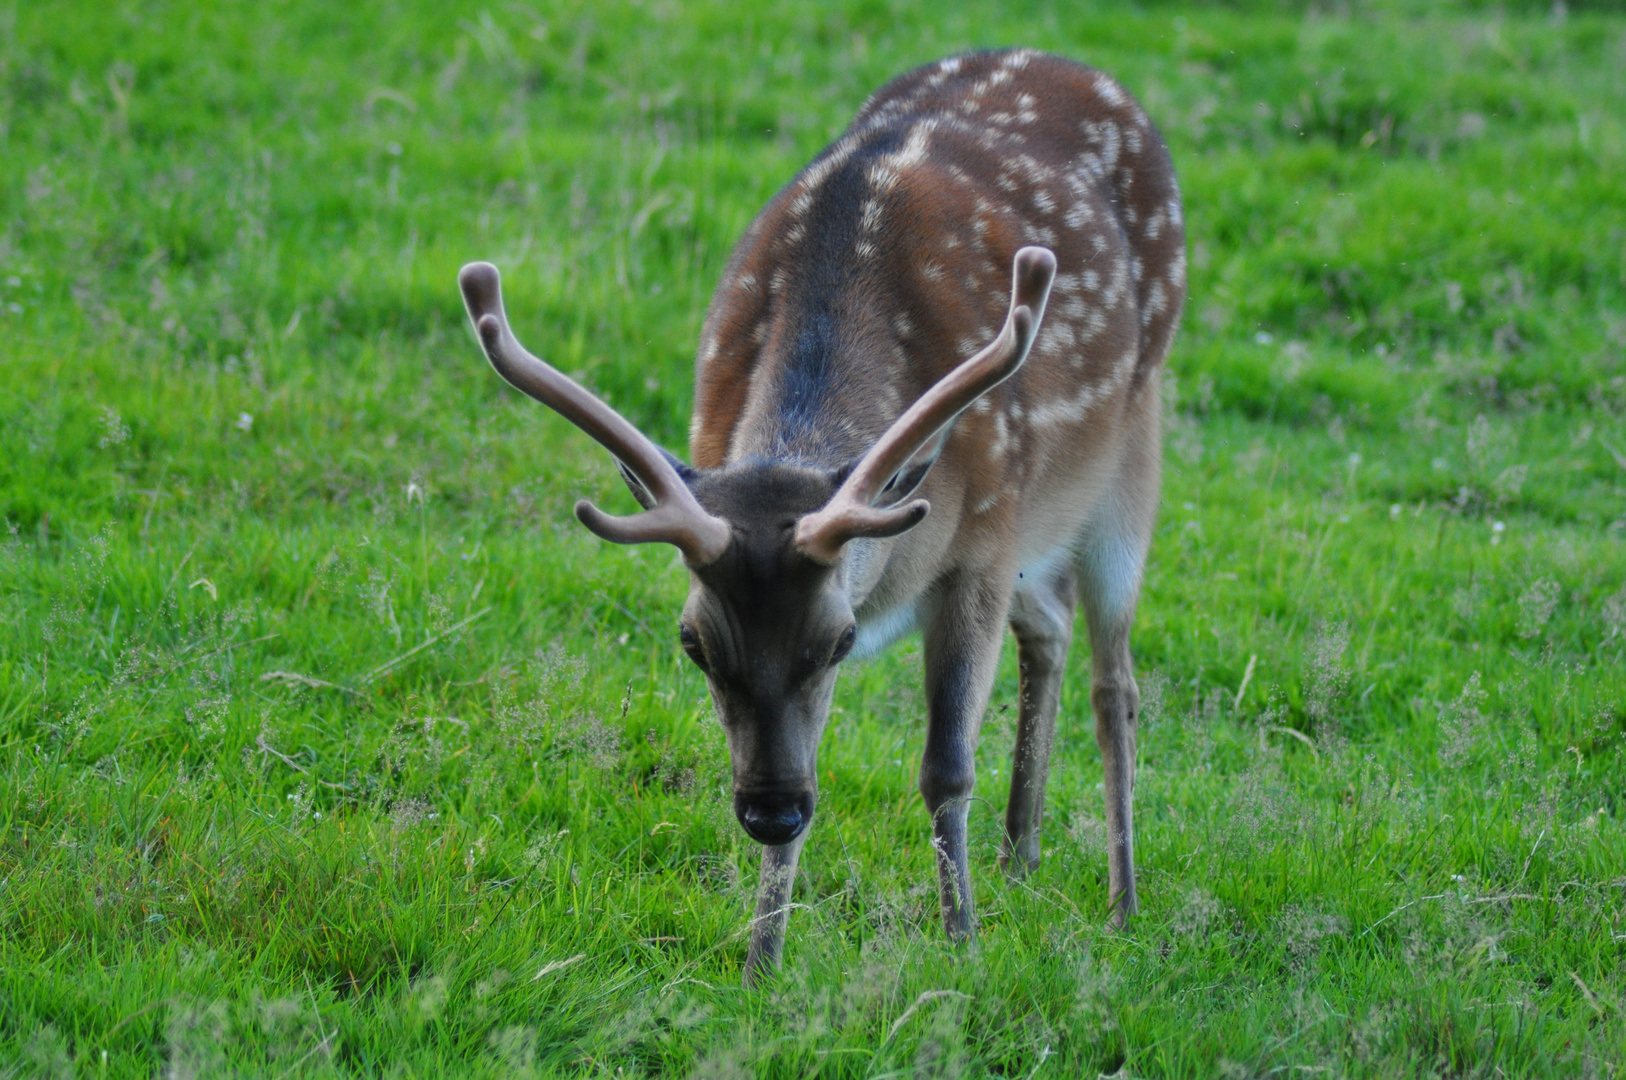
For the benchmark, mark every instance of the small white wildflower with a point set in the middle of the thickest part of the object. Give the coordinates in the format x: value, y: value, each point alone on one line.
x: 1510, y: 482
x: 1394, y: 511
x: 1198, y: 915
x: 1536, y: 606
x: 244, y: 421
x: 1462, y: 723
x: 1614, y: 614
x: 1303, y: 928
x: 1480, y: 440
x: 115, y: 430
x: 1328, y: 674
x: 1263, y: 337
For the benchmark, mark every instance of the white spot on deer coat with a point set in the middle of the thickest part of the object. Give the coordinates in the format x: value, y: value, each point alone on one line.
x: 815, y: 174
x: 1106, y: 135
x: 1094, y: 323
x: 1054, y: 337
x: 1064, y: 410
x: 915, y: 148
x: 1002, y: 436
x: 1157, y: 302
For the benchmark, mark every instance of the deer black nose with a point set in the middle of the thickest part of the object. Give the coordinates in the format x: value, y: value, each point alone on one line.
x: 774, y: 821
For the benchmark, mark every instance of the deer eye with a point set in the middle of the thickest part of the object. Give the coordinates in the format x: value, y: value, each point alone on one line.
x: 844, y: 645
x: 689, y: 638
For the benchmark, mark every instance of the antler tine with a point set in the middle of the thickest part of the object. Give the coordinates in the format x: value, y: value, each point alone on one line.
x: 850, y: 512
x: 676, y: 518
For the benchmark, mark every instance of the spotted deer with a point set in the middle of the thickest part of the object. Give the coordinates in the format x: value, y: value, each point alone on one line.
x: 860, y: 364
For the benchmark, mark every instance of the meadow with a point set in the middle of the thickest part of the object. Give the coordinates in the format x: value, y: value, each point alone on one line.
x: 330, y: 745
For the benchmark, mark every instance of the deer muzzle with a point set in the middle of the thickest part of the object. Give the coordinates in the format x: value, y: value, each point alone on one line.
x: 774, y: 818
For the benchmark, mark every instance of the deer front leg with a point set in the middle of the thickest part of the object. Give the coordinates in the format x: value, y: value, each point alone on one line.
x: 1110, y: 565
x: 1042, y: 619
x: 773, y: 909
x: 964, y: 626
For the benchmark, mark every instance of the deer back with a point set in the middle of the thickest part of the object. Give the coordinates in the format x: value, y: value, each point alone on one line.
x: 885, y: 262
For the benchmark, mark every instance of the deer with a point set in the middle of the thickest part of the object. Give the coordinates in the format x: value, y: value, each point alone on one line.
x: 886, y: 438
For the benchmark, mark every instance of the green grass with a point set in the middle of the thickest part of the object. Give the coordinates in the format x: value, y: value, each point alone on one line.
x: 479, y: 824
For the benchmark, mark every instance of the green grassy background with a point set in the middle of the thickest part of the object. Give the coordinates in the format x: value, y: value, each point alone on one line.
x: 330, y: 745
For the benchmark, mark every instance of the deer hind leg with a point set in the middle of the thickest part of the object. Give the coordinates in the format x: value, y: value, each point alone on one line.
x: 1111, y: 560
x: 964, y: 628
x: 1042, y: 618
x: 1115, y: 699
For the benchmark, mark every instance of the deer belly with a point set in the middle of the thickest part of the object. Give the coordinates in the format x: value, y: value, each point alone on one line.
x: 876, y: 632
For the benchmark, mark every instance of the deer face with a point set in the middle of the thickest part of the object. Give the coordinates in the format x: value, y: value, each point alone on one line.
x: 768, y: 626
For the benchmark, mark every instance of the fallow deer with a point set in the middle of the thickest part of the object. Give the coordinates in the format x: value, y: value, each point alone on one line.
x: 852, y: 374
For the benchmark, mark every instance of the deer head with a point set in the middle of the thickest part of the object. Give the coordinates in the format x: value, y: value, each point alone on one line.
x: 769, y: 615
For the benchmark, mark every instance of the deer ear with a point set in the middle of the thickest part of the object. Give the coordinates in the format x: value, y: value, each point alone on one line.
x: 639, y: 492
x: 905, y: 480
